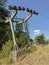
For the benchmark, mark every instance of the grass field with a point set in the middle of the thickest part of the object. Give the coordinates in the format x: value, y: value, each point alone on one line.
x: 37, y: 55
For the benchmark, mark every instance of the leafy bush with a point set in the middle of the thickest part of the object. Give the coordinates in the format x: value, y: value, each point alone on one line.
x: 21, y: 39
x: 40, y: 39
x: 6, y: 48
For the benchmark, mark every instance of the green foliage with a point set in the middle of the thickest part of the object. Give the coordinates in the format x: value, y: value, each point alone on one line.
x: 40, y: 39
x: 3, y: 2
x: 3, y: 26
x: 31, y: 49
x: 21, y: 39
x: 6, y: 48
x: 19, y: 27
x: 3, y: 13
x: 5, y: 33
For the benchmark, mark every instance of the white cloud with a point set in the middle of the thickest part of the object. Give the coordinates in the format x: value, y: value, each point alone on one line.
x: 36, y: 32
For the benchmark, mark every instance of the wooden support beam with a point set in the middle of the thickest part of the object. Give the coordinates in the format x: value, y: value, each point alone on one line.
x: 25, y: 19
x: 12, y: 16
x: 14, y: 52
x: 1, y: 21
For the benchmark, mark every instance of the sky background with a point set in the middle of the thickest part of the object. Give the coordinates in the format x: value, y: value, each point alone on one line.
x: 37, y: 24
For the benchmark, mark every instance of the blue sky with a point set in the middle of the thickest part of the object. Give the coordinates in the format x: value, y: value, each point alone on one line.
x: 36, y: 22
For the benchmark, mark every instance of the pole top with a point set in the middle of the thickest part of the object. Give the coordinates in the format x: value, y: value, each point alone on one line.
x: 19, y: 8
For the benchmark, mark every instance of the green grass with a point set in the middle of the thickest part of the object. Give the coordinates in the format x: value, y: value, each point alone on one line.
x: 6, y: 48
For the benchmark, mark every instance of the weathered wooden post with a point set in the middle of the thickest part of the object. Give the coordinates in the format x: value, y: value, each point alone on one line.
x: 14, y: 51
x: 26, y: 28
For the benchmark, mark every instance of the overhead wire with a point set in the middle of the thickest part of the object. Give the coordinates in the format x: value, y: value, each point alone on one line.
x: 38, y: 26
x: 32, y: 25
x: 43, y: 15
x: 38, y: 13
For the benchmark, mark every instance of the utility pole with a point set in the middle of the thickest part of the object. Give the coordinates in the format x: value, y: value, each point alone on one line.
x: 15, y: 45
x: 25, y: 24
x: 27, y: 33
x: 26, y: 27
x: 10, y: 19
x: 14, y: 55
x: 14, y: 52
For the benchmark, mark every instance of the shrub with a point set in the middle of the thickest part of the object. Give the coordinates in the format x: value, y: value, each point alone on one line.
x: 6, y: 48
x: 21, y: 40
x: 40, y: 39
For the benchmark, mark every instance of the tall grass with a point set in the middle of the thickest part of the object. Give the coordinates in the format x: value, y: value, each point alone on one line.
x: 6, y: 48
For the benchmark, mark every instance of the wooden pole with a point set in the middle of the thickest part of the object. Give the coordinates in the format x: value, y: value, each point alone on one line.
x: 27, y: 32
x: 26, y: 27
x: 14, y: 52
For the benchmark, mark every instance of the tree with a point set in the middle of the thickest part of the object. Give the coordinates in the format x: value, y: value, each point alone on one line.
x: 4, y: 28
x: 3, y: 2
x: 40, y: 39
